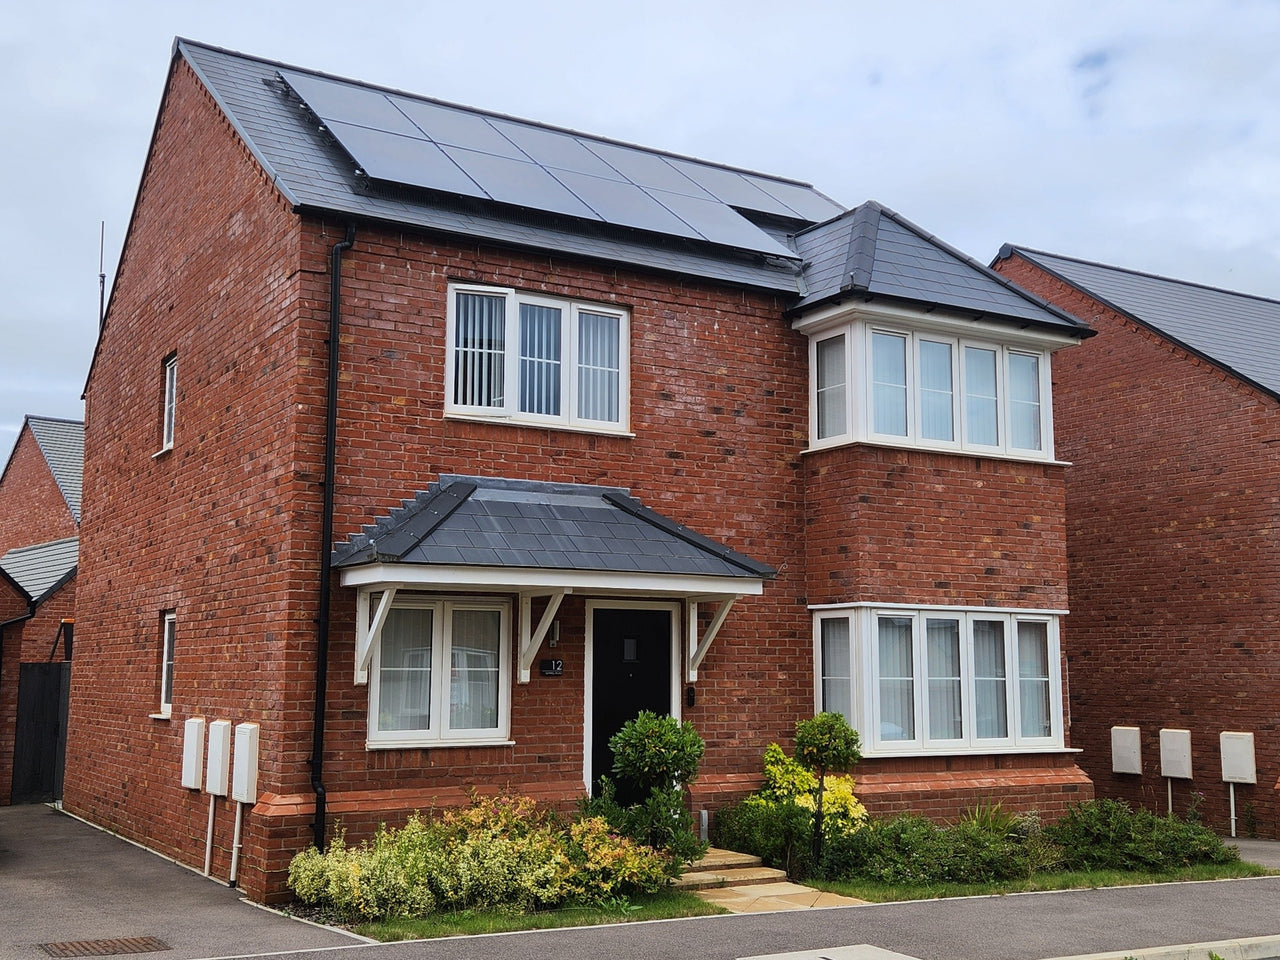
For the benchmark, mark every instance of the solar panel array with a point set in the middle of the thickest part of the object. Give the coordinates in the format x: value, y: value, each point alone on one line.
x: 420, y: 143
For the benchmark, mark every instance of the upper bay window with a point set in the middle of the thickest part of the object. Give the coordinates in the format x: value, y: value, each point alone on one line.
x: 929, y: 389
x: 936, y: 679
x: 536, y: 359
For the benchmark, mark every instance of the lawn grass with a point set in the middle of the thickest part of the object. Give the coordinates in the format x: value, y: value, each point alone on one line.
x: 663, y: 905
x: 1066, y: 880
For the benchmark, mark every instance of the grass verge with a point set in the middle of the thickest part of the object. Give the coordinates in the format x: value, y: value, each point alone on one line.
x: 664, y: 905
x: 1076, y: 880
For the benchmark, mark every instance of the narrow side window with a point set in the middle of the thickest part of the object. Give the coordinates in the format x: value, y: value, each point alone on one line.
x: 168, y: 635
x: 170, y: 401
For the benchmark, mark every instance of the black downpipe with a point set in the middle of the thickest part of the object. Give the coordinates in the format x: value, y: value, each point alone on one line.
x: 326, y: 533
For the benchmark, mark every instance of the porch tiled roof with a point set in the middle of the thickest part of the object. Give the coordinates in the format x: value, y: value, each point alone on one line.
x: 478, y: 521
x: 43, y: 567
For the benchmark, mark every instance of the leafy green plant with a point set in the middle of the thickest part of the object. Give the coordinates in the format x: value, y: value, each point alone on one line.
x: 779, y: 832
x: 656, y: 752
x: 1109, y: 834
x: 990, y: 817
x: 825, y: 743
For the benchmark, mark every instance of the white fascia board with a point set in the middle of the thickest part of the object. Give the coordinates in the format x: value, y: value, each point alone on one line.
x: 517, y: 579
x: 945, y: 608
x: 1006, y: 331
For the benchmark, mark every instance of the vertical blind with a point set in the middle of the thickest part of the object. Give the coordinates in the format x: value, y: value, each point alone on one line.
x: 1033, y: 679
x: 831, y: 388
x: 480, y: 349
x: 599, y: 367
x: 889, y: 383
x: 539, y: 359
x: 404, y: 672
x: 937, y: 400
x: 1024, y: 401
x: 837, y: 678
x: 474, y: 664
x: 981, y: 403
x: 897, y: 679
x: 991, y: 696
x: 942, y: 642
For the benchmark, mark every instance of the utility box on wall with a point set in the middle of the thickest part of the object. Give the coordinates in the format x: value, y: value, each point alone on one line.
x: 244, y: 771
x: 1175, y: 754
x: 193, y: 753
x: 1126, y: 750
x: 219, y: 758
x: 1238, y: 764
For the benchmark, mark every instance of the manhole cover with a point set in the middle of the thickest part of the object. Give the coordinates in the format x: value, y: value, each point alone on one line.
x: 104, y: 948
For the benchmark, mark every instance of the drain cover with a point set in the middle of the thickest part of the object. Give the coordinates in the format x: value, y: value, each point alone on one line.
x: 104, y: 948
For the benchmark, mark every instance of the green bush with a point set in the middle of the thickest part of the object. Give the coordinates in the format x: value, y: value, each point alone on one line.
x: 498, y: 852
x: 661, y: 821
x: 779, y: 832
x: 656, y: 753
x: 1109, y: 834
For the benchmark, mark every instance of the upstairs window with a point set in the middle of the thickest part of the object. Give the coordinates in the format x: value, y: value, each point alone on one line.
x: 169, y: 408
x: 929, y: 390
x: 536, y: 359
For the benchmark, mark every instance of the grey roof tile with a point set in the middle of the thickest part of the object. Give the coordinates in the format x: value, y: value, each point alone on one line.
x: 62, y: 443
x: 40, y: 568
x: 871, y: 250
x: 612, y: 532
x: 1237, y: 331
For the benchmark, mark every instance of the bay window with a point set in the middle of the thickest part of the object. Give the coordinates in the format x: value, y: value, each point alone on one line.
x: 536, y: 359
x: 441, y: 674
x: 929, y: 389
x: 935, y: 679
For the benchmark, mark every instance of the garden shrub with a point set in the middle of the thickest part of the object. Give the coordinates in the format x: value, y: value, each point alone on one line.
x: 825, y: 743
x: 1109, y: 834
x: 656, y: 752
x: 605, y: 866
x: 779, y: 832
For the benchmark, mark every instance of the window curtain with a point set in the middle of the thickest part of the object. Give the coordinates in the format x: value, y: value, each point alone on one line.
x: 474, y: 664
x: 404, y: 671
x: 539, y: 359
x: 837, y: 678
x: 479, y: 350
x: 991, y: 696
x: 942, y: 655
x: 832, y: 405
x: 981, y: 404
x: 599, y: 367
x: 1024, y: 401
x: 897, y: 679
x: 889, y: 384
x: 1033, y: 679
x: 937, y: 420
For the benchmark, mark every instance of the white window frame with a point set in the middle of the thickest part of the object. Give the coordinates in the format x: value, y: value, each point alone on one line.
x: 169, y: 413
x: 439, y: 734
x: 570, y: 314
x: 859, y: 413
x: 864, y: 707
x: 168, y: 641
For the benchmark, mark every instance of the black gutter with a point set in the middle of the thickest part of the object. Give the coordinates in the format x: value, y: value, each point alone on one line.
x: 326, y: 533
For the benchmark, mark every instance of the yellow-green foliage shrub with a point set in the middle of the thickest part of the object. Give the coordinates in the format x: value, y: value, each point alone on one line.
x: 785, y: 779
x: 606, y: 865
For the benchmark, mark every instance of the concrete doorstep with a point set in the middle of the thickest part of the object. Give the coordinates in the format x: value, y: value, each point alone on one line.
x: 738, y: 882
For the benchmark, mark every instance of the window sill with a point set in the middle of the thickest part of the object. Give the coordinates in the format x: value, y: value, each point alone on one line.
x: 1014, y: 456
x: 538, y: 424
x: 163, y: 452
x: 882, y: 753
x: 159, y: 716
x: 433, y: 744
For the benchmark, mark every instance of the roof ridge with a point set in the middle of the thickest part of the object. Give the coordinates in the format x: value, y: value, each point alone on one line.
x: 864, y: 234
x: 179, y: 42
x: 1008, y: 248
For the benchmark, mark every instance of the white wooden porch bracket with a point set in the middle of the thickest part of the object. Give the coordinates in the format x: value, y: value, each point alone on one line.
x: 367, y: 638
x: 530, y: 638
x: 698, y: 646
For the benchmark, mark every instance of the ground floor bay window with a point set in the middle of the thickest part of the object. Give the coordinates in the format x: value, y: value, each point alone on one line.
x: 917, y: 680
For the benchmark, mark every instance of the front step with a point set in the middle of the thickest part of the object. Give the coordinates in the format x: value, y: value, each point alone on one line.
x: 724, y: 868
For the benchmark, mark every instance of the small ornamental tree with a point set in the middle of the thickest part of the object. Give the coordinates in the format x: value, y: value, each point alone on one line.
x: 825, y: 743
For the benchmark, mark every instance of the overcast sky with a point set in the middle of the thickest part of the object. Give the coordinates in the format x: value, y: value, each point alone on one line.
x: 1139, y: 134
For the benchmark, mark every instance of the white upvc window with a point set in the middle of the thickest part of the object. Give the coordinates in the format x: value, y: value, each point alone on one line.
x: 168, y: 638
x: 441, y: 674
x: 941, y: 680
x: 169, y: 410
x: 538, y: 360
x: 929, y: 389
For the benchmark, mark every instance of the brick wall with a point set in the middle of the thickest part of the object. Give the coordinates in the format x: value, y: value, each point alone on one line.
x: 32, y: 508
x: 1174, y: 572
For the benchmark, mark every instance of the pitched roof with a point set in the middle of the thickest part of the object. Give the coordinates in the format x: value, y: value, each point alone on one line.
x: 479, y: 521
x: 873, y: 251
x: 62, y: 443
x: 337, y: 145
x: 1237, y: 331
x: 41, y: 569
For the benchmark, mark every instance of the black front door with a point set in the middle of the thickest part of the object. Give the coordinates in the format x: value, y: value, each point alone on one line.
x: 40, y: 741
x: 631, y: 671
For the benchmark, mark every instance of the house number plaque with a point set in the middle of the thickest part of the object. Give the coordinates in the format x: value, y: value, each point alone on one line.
x: 551, y: 668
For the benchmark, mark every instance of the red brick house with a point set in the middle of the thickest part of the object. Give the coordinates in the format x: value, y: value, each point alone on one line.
x: 1170, y: 418
x: 39, y: 521
x: 437, y: 443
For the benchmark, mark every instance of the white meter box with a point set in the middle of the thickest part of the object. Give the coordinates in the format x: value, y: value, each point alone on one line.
x: 1175, y: 754
x: 1237, y: 757
x: 244, y: 771
x: 193, y: 753
x: 1126, y: 750
x: 215, y: 780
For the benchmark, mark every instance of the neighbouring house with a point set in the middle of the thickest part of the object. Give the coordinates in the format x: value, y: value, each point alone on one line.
x: 39, y: 521
x: 437, y: 443
x: 1170, y: 417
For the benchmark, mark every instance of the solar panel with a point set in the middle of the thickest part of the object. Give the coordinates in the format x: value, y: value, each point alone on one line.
x: 386, y: 156
x: 808, y: 203
x: 520, y: 182
x: 553, y: 149
x: 646, y: 169
x: 732, y: 188
x: 626, y: 204
x: 331, y: 100
x: 721, y: 224
x: 458, y: 128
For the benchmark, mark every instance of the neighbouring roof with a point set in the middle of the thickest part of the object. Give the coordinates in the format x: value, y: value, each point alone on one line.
x: 873, y: 252
x: 478, y: 521
x: 62, y: 443
x: 337, y: 145
x: 1236, y: 331
x: 41, y: 569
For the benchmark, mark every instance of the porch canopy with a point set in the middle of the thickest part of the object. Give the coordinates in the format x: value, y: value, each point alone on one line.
x: 540, y: 540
